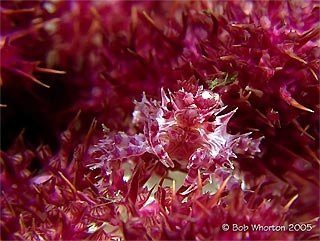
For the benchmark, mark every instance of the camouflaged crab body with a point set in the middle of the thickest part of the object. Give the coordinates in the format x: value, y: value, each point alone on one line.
x: 185, y: 127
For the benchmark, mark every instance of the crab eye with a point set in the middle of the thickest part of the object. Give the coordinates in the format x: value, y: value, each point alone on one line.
x: 226, y: 165
x: 212, y: 118
x: 169, y: 106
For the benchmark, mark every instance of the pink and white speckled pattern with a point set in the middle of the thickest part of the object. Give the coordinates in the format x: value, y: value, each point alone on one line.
x: 186, y: 127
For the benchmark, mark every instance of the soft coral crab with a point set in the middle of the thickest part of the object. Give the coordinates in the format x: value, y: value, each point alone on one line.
x: 186, y: 127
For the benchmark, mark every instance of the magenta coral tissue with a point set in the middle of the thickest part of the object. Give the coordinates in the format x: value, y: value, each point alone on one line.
x: 159, y: 120
x: 186, y: 128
